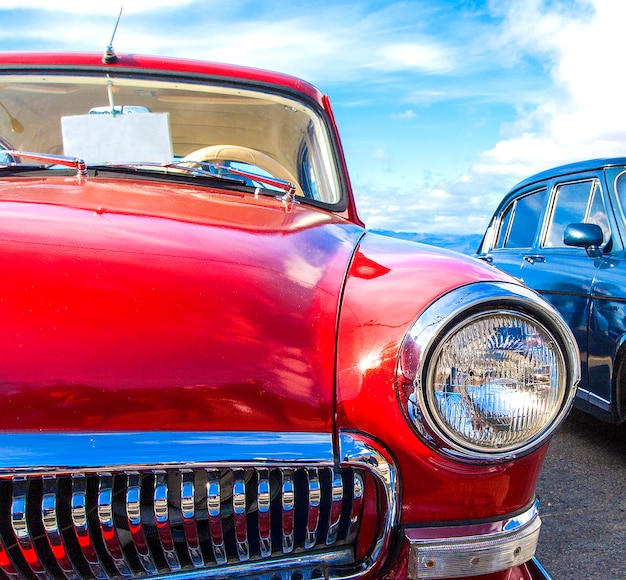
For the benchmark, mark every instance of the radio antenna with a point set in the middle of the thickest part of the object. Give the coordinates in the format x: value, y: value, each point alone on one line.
x: 109, y: 56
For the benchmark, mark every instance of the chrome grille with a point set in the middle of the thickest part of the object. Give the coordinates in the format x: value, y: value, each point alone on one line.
x: 179, y: 521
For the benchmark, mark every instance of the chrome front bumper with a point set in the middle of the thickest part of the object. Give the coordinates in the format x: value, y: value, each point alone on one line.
x: 161, y: 504
x: 461, y: 551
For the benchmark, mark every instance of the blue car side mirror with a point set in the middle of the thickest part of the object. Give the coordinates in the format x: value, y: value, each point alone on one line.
x: 588, y: 236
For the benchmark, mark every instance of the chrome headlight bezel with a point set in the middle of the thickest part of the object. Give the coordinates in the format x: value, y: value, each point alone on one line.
x: 454, y: 311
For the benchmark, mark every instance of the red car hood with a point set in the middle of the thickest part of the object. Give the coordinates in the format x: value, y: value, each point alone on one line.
x: 124, y: 306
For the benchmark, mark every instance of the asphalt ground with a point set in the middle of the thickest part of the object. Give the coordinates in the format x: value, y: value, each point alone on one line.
x: 582, y: 491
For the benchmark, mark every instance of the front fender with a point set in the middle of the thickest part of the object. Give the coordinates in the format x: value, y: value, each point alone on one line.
x: 389, y: 283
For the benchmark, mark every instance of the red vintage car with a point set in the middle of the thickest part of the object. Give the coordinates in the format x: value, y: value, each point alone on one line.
x: 209, y: 368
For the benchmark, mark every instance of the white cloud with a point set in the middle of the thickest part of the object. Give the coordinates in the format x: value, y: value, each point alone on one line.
x: 327, y: 42
x: 94, y: 8
x: 405, y: 115
x: 580, y: 116
x: 424, y: 56
x: 406, y: 55
x: 439, y: 194
x: 379, y: 154
x: 425, y: 96
x: 421, y: 208
x: 584, y: 116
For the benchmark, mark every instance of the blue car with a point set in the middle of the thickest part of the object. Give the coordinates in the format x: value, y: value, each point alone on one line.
x: 563, y: 233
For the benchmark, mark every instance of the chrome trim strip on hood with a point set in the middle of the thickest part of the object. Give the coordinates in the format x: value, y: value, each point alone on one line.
x: 64, y: 452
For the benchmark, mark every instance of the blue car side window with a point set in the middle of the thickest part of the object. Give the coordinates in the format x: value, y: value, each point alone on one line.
x: 570, y: 206
x: 525, y: 220
x: 596, y: 214
x: 576, y: 202
x: 505, y: 222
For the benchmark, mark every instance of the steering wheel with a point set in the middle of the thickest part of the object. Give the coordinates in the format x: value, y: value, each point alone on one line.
x: 244, y: 155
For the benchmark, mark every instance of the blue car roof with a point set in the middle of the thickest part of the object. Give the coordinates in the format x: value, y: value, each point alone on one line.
x: 577, y: 167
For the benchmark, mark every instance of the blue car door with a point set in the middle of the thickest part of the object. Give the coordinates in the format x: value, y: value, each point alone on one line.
x: 566, y: 275
x: 607, y: 324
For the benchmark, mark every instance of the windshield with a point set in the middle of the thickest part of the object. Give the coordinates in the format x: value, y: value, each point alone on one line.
x: 120, y: 119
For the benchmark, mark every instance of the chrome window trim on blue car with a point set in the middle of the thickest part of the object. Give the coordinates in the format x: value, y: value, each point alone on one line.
x: 620, y: 195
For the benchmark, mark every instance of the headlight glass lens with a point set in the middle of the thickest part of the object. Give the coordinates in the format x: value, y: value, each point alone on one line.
x: 495, y: 381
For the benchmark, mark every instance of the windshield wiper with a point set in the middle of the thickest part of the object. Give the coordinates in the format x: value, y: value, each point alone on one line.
x: 196, y: 168
x: 48, y: 159
x: 211, y: 169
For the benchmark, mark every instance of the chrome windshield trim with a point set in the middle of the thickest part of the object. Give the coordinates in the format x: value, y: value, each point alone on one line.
x: 67, y: 452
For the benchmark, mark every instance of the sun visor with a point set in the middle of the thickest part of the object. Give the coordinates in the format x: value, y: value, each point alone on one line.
x: 122, y: 137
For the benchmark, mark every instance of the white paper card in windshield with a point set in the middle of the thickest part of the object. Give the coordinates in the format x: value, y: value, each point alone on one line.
x: 119, y: 138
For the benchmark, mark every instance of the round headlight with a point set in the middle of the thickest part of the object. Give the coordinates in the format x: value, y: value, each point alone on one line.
x: 488, y: 371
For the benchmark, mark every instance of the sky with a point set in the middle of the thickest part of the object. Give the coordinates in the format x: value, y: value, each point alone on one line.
x: 442, y: 106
